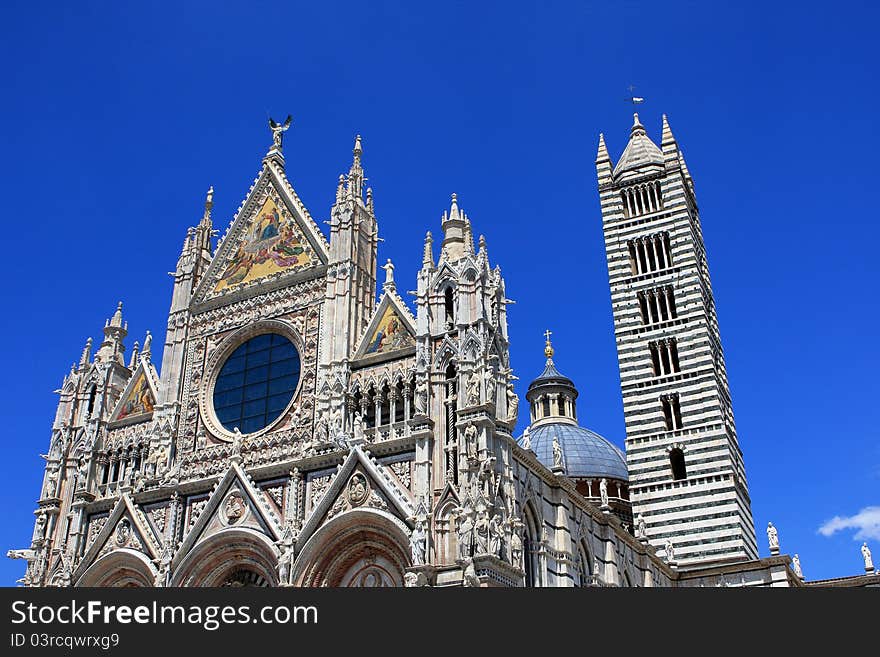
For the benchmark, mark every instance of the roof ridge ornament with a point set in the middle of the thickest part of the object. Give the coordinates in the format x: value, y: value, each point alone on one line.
x: 278, y: 130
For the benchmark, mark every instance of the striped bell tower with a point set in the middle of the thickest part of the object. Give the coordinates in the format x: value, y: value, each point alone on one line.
x: 685, y: 466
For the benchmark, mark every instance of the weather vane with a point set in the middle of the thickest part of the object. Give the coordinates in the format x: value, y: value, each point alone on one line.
x: 632, y: 98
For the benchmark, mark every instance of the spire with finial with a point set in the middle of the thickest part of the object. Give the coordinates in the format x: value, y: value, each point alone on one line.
x: 428, y: 255
x: 667, y: 136
x: 115, y: 330
x: 604, y: 165
x: 640, y: 156
x: 356, y: 173
x: 340, y: 189
x: 86, y: 354
x: 468, y: 234
x: 455, y: 232
x: 116, y: 320
x: 389, y: 276
x: 132, y: 363
x: 548, y: 346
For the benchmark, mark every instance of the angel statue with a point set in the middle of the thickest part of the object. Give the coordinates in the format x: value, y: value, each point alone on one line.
x: 278, y: 130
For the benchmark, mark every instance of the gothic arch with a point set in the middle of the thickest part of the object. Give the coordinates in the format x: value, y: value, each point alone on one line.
x: 531, y: 545
x: 362, y: 547
x: 120, y: 568
x: 228, y: 554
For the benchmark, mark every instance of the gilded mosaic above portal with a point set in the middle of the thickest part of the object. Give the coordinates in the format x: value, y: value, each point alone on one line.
x: 272, y: 244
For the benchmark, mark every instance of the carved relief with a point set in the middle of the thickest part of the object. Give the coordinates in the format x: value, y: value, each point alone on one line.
x: 358, y: 489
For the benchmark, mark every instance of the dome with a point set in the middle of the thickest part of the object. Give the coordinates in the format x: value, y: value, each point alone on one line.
x: 585, y: 453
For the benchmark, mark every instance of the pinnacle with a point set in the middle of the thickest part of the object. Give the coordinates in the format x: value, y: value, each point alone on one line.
x: 602, y: 153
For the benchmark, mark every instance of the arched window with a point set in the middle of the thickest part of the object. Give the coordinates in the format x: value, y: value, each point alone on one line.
x: 584, y: 565
x: 451, y: 419
x: 531, y: 544
x: 399, y: 405
x: 676, y: 462
x: 449, y: 305
x: 92, y: 393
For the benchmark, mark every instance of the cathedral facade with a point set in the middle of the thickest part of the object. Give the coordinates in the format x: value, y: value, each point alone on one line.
x: 300, y: 432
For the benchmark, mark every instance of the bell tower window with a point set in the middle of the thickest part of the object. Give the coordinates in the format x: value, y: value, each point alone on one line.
x: 676, y: 462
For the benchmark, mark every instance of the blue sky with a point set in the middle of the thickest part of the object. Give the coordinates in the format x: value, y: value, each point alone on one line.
x: 116, y: 118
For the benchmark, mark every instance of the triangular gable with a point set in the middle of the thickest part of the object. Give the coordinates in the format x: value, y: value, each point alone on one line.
x: 338, y: 497
x: 136, y: 535
x: 272, y: 236
x: 235, y: 502
x: 139, y: 397
x: 392, y: 328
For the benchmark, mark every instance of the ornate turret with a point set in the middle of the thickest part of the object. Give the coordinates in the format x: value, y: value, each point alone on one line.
x: 115, y: 330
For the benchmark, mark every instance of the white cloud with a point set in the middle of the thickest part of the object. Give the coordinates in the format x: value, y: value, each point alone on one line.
x: 866, y: 521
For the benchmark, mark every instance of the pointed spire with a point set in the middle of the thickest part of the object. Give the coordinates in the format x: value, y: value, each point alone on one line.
x: 389, y: 276
x: 602, y: 153
x: 603, y: 162
x: 668, y: 137
x: 468, y: 234
x: 356, y: 173
x: 340, y: 189
x: 428, y: 256
x: 641, y: 155
x: 116, y: 320
x: 454, y: 212
x: 132, y: 363
x: 86, y: 354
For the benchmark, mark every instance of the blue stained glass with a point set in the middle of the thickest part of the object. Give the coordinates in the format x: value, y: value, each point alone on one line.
x: 256, y: 383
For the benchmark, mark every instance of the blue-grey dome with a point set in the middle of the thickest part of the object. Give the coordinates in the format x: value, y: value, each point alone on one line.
x: 585, y: 453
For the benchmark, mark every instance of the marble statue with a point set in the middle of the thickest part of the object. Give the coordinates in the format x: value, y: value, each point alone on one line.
x: 866, y: 555
x: 489, y: 382
x: 642, y: 526
x: 512, y: 404
x: 51, y: 483
x: 772, y: 537
x: 421, y: 397
x: 237, y: 441
x: 473, y: 389
x: 494, y: 536
x: 41, y: 527
x: 417, y: 541
x: 359, y: 426
x: 465, y: 533
x: 670, y: 551
x: 526, y: 440
x: 557, y: 453
x: 470, y: 441
x: 603, y: 491
x: 470, y: 578
x: 82, y: 472
x: 516, y: 547
x: 278, y: 130
x: 796, y: 566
